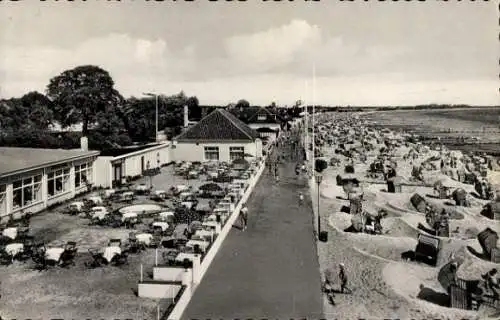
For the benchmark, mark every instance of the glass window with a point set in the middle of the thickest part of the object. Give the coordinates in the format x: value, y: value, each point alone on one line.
x: 212, y: 153
x: 236, y: 153
x: 17, y: 201
x: 27, y: 192
x: 17, y: 184
x: 261, y: 117
x: 83, y: 174
x: 58, y: 182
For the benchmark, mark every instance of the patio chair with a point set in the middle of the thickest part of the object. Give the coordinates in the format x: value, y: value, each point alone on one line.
x: 68, y: 256
x: 5, y: 258
x: 28, y: 250
x: 134, y: 246
x: 97, y: 259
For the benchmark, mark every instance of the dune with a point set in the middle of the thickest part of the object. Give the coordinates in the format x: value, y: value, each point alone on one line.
x: 421, y: 287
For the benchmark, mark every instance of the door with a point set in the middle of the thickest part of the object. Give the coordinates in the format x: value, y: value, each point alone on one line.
x: 142, y: 165
x: 118, y: 173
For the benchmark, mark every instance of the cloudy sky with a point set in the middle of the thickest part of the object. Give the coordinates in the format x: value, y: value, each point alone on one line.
x: 365, y: 53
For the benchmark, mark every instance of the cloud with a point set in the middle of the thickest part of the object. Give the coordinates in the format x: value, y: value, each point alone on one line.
x: 293, y: 48
x: 121, y: 55
x: 263, y: 66
x: 272, y: 48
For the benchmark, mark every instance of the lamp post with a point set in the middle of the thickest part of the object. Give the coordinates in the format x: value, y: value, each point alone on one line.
x: 319, y: 178
x: 156, y: 118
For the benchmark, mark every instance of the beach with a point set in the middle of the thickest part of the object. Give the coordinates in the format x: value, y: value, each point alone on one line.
x: 383, y: 283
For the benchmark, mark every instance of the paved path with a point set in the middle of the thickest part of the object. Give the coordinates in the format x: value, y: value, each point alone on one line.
x: 271, y: 270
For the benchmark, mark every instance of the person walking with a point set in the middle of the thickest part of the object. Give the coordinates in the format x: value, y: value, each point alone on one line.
x: 343, y: 279
x: 301, y: 198
x: 244, y: 216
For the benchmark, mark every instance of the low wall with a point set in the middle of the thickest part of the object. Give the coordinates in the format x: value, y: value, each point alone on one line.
x: 159, y: 289
x: 183, y: 302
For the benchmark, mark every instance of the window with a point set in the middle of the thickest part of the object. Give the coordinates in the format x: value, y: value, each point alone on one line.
x: 262, y: 117
x: 3, y: 200
x: 26, y: 192
x: 58, y: 182
x: 83, y: 173
x: 212, y: 153
x: 236, y: 153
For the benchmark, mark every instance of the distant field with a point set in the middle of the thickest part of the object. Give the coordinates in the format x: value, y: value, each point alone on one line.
x: 483, y: 123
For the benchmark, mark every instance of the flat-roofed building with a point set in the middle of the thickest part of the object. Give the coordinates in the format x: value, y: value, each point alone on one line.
x: 33, y: 179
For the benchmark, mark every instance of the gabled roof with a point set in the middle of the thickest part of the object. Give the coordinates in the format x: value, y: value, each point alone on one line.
x: 270, y: 117
x: 219, y: 125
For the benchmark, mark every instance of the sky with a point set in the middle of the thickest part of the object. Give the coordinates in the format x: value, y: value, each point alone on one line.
x: 326, y: 53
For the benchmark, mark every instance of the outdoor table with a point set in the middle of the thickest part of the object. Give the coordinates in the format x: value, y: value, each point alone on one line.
x: 165, y: 215
x: 162, y: 225
x: 96, y: 200
x: 141, y: 187
x: 14, y: 248
x: 53, y: 254
x: 129, y: 215
x: 204, y: 234
x: 10, y: 233
x: 110, y: 252
x: 99, y: 215
x: 213, y: 225
x: 144, y: 238
x: 202, y: 244
x: 128, y: 194
x: 181, y: 256
x: 77, y: 205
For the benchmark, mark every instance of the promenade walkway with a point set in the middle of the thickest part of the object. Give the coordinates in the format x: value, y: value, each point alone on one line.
x: 271, y: 270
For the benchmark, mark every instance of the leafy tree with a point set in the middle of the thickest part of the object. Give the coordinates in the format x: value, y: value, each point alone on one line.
x: 320, y: 165
x: 242, y: 104
x: 80, y: 94
x: 37, y: 107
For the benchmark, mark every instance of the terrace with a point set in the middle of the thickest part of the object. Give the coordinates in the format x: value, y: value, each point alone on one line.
x: 94, y: 286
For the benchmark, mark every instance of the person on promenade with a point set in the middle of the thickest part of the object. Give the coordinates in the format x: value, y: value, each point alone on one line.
x: 244, y: 216
x: 343, y: 279
x: 301, y: 198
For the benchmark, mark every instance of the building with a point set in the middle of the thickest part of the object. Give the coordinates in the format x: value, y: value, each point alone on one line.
x: 114, y: 166
x: 262, y: 120
x: 219, y: 136
x: 33, y: 179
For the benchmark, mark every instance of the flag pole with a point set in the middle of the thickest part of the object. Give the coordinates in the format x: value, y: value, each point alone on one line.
x: 313, y: 118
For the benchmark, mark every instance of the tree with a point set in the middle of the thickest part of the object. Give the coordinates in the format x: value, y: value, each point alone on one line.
x: 320, y: 165
x: 79, y: 94
x: 242, y: 104
x: 38, y: 109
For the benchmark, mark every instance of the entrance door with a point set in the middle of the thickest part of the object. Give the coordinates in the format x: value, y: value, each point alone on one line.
x: 142, y: 165
x: 117, y: 173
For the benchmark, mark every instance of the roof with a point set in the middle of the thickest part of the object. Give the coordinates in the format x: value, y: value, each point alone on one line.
x: 116, y: 152
x: 16, y: 160
x: 259, y: 111
x: 219, y: 125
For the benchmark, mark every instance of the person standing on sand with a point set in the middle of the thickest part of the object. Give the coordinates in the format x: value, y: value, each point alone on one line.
x: 244, y: 216
x: 343, y: 279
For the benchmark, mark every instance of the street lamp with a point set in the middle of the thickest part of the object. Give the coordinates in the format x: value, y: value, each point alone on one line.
x: 319, y: 178
x: 156, y: 119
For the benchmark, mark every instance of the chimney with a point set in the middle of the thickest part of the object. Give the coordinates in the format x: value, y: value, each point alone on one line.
x: 186, y: 116
x: 84, y: 144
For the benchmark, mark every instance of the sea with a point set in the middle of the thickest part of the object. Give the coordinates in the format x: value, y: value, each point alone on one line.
x: 468, y: 129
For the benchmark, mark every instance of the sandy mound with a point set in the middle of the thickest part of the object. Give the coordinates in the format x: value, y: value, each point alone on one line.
x: 396, y: 227
x: 420, y: 285
x: 383, y: 246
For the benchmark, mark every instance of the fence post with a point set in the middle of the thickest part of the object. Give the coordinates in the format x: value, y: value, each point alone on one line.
x: 141, y: 272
